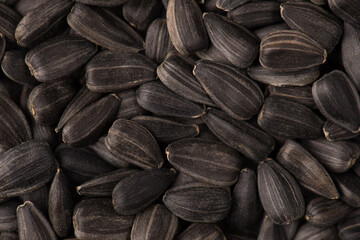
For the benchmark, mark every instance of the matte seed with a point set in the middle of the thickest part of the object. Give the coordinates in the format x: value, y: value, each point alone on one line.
x: 334, y: 132
x: 25, y: 6
x: 129, y: 106
x: 349, y: 228
x: 202, y: 231
x: 8, y: 222
x: 101, y: 3
x: 262, y: 32
x: 349, y: 186
x: 39, y: 197
x: 347, y: 10
x: 213, y: 54
x: 270, y: 231
x: 9, y: 19
x: 228, y: 5
x: 9, y: 236
x: 301, y: 95
x: 309, y: 232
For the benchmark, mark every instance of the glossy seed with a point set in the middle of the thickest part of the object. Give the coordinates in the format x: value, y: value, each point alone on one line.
x: 288, y: 119
x: 104, y: 69
x: 334, y: 132
x: 176, y: 73
x: 9, y: 19
x: 349, y: 186
x: 129, y: 106
x: 309, y: 232
x: 314, y: 21
x: 290, y: 50
x: 262, y: 32
x: 308, y: 172
x: 270, y: 231
x: 59, y: 57
x: 155, y: 223
x: 8, y: 222
x: 47, y: 101
x: 228, y: 5
x: 251, y: 141
x: 89, y: 124
x: 301, y: 95
x: 238, y: 44
x: 60, y: 205
x: 133, y: 143
x: 231, y: 90
x: 165, y: 130
x: 138, y: 191
x: 32, y: 224
x: 347, y: 10
x: 336, y: 156
x: 348, y: 229
x: 322, y: 212
x: 104, y: 28
x: 279, y: 193
x: 101, y: 3
x: 202, y: 231
x: 96, y: 219
x: 39, y: 197
x: 42, y: 23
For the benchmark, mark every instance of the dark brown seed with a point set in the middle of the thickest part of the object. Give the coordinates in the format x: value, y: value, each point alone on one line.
x: 256, y: 14
x: 96, y: 219
x: 138, y: 191
x: 334, y: 132
x: 207, y: 161
x: 42, y: 23
x: 309, y: 232
x: 2, y: 45
x: 186, y: 26
x: 59, y: 57
x: 245, y: 210
x: 32, y: 224
x: 349, y: 228
x: 8, y: 2
x: 231, y: 90
x: 270, y: 231
x: 9, y: 236
x: 9, y: 19
x: 60, y: 205
x: 356, y: 168
x: 306, y: 170
x: 338, y: 100
x: 190, y: 202
x: 322, y: 212
x: 47, y: 101
x: 314, y: 21
x: 336, y: 156
x: 238, y: 45
x: 279, y: 193
x: 8, y: 222
x: 89, y: 124
x: 44, y: 134
x: 202, y: 231
x: 25, y: 168
x: 104, y: 69
x: 129, y: 107
x: 166, y: 130
x: 349, y: 186
x: 103, y: 185
x: 133, y: 143
x: 104, y: 28
x: 251, y: 141
x: 301, y: 95
x: 262, y: 32
x: 213, y: 54
x: 155, y: 223
x: 347, y: 10
x: 283, y: 79
x: 241, y: 235
x: 102, y: 3
x: 291, y: 229
x: 288, y: 119
x: 157, y: 41
x: 290, y: 50
x: 176, y: 73
x: 158, y: 99
x: 228, y: 5
x: 39, y: 197
x: 25, y: 6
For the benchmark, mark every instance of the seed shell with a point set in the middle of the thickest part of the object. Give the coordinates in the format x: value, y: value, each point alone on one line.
x: 349, y: 186
x: 39, y: 197
x: 102, y: 3
x: 9, y: 236
x: 8, y: 222
x: 346, y: 10
x: 213, y: 54
x: 334, y: 132
x: 349, y: 228
x: 44, y: 134
x: 228, y: 5
x: 262, y: 32
x: 301, y: 95
x: 309, y: 232
x: 270, y: 231
x: 9, y: 19
x: 129, y: 106
x: 25, y: 6
x: 202, y: 231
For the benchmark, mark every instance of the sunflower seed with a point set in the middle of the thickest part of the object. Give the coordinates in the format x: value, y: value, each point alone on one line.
x: 25, y: 6
x: 262, y: 32
x: 291, y: 229
x: 228, y: 5
x: 349, y: 228
x: 213, y: 54
x: 349, y: 186
x: 202, y: 231
x: 39, y: 197
x: 334, y: 132
x: 310, y: 232
x: 129, y: 107
x: 44, y: 134
x: 301, y: 95
x: 101, y: 3
x: 9, y: 236
x: 8, y: 222
x: 270, y: 231
x: 346, y: 10
x: 9, y: 19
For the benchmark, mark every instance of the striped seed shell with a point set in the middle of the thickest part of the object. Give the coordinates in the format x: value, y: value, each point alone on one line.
x: 2, y: 45
x: 157, y: 41
x: 25, y: 168
x: 347, y: 10
x: 270, y: 231
x: 59, y: 57
x: 308, y: 172
x: 290, y: 50
x: 238, y: 44
x: 102, y: 3
x: 104, y: 69
x: 9, y: 236
x: 166, y: 130
x: 323, y: 212
x: 44, y: 22
x: 14, y: 67
x: 349, y: 228
x: 39, y: 197
x: 246, y: 208
x: 283, y: 79
x: 262, y: 32
x: 256, y: 14
x: 32, y: 224
x: 47, y: 101
x: 301, y: 95
x: 9, y: 19
x: 133, y: 143
x: 309, y: 232
x: 213, y: 54
x: 176, y: 73
x: 336, y: 156
x: 186, y: 26
x: 103, y: 185
x: 207, y: 161
x: 190, y: 202
x: 228, y: 5
x: 348, y: 184
x: 334, y: 132
x: 314, y: 21
x: 197, y: 231
x: 154, y: 223
x: 251, y: 141
x: 8, y: 222
x: 279, y: 193
x: 95, y: 219
x: 129, y: 106
x: 338, y: 100
x: 90, y: 123
x: 25, y: 6
x: 285, y: 118
x: 235, y: 93
x: 104, y: 28
x: 60, y: 205
x: 157, y: 98
x: 44, y: 133
x: 138, y: 191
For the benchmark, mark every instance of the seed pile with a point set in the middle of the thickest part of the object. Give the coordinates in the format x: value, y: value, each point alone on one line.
x: 179, y: 119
